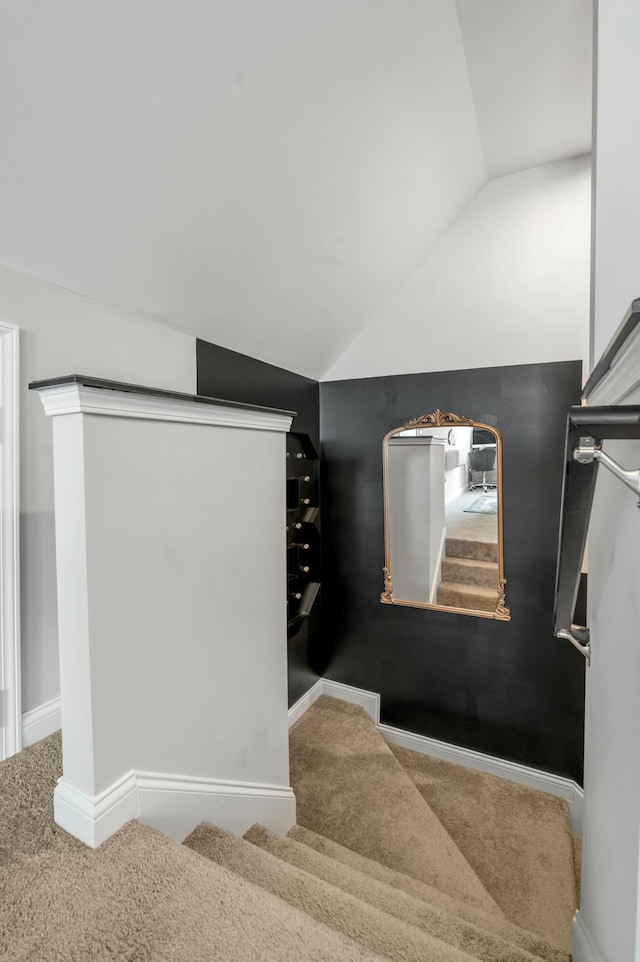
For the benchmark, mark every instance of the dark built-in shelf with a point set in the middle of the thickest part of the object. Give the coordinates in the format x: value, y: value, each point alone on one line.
x: 303, y: 537
x: 107, y: 385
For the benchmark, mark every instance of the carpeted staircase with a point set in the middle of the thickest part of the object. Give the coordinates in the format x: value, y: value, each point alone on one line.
x: 396, y: 856
x: 469, y: 575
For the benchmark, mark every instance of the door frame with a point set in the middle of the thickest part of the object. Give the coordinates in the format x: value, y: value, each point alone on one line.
x: 10, y: 694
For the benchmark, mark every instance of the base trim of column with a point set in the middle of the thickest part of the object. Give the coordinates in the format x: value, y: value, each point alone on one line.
x: 173, y: 804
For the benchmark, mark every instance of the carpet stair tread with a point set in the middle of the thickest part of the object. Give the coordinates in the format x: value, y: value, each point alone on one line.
x: 484, y: 591
x: 517, y: 839
x: 457, y: 594
x: 336, y: 743
x: 470, y: 571
x: 375, y: 930
x: 532, y: 943
x: 466, y: 548
x: 439, y: 864
x: 141, y: 896
x: 478, y: 942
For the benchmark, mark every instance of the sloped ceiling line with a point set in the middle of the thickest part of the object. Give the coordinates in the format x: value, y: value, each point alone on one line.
x: 262, y: 176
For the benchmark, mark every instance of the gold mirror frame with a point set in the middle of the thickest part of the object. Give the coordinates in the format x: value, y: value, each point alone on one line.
x: 440, y: 420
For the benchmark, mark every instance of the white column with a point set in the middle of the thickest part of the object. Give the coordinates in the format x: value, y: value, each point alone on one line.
x: 170, y: 539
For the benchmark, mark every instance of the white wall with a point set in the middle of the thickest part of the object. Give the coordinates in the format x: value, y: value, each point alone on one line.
x: 64, y: 333
x: 456, y: 480
x: 610, y: 882
x: 611, y: 829
x: 617, y: 197
x: 507, y: 284
x: 172, y: 609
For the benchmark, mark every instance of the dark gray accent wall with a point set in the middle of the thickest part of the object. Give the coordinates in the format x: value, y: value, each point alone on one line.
x: 508, y: 689
x: 237, y: 377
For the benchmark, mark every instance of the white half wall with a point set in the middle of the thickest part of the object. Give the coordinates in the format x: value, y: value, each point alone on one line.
x: 62, y: 333
x: 171, y: 565
x: 508, y: 283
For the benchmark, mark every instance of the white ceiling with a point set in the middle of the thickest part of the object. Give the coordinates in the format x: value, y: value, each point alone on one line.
x: 530, y: 69
x: 264, y: 175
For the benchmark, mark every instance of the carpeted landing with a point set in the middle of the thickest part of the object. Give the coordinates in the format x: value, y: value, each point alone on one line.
x: 396, y: 856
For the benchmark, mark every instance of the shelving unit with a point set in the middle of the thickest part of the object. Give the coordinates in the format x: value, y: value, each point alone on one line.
x: 303, y: 536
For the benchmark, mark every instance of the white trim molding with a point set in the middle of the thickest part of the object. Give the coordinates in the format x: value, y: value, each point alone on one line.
x: 511, y: 771
x: 173, y: 804
x: 583, y: 948
x: 622, y: 378
x: 74, y: 398
x: 369, y: 700
x: 10, y: 710
x: 41, y: 722
x: 305, y: 701
x: 93, y: 819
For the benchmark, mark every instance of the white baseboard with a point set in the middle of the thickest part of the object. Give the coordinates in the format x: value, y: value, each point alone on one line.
x: 583, y: 948
x: 174, y: 804
x: 93, y: 819
x: 40, y: 722
x: 306, y: 701
x: 369, y: 700
x: 511, y: 771
x: 575, y: 810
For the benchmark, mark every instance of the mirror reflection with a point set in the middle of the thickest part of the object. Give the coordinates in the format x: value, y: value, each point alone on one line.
x: 443, y: 516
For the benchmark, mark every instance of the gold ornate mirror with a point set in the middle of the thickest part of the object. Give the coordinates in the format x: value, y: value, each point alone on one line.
x: 442, y: 477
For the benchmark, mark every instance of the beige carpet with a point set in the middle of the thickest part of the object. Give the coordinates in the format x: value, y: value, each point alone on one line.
x: 27, y: 782
x: 449, y: 927
x: 347, y: 914
x: 138, y: 898
x: 532, y: 943
x: 350, y: 787
x: 516, y: 839
x: 142, y: 897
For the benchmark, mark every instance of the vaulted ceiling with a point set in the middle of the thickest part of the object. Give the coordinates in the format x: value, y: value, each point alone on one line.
x: 264, y: 175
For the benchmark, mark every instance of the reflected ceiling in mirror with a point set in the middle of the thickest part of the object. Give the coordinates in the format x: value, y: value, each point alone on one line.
x: 443, y: 516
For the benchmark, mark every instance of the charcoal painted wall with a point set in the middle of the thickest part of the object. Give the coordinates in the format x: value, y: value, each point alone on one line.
x: 237, y: 377
x: 505, y: 688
